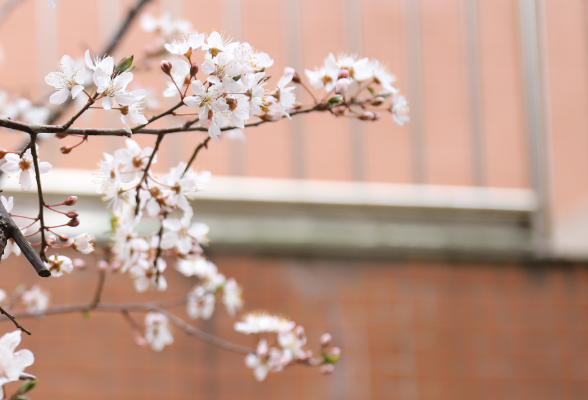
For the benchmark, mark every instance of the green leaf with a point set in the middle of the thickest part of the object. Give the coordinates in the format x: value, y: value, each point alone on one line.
x: 330, y: 358
x: 372, y: 91
x: 21, y: 397
x: 124, y: 64
x: 25, y: 387
x: 86, y: 314
x: 335, y: 100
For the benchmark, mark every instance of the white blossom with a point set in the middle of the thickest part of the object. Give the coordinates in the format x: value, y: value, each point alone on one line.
x: 207, y: 100
x: 232, y: 296
x: 325, y: 76
x: 70, y: 81
x: 400, y: 109
x: 106, y: 64
x: 179, y: 71
x: 83, y: 243
x: 186, y: 44
x: 200, y: 303
x: 12, y: 363
x: 115, y: 88
x: 262, y: 322
x: 157, y: 333
x: 264, y: 360
x: 58, y: 265
x: 35, y: 300
x: 24, y: 167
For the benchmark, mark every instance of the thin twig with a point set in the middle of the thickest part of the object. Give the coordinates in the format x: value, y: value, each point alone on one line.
x: 98, y: 294
x: 14, y: 321
x: 160, y: 307
x: 40, y: 195
x: 144, y: 177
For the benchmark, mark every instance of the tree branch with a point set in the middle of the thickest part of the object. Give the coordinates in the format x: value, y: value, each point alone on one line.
x: 10, y: 317
x: 159, y: 307
x: 10, y: 229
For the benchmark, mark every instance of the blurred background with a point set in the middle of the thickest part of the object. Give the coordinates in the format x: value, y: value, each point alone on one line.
x: 446, y: 257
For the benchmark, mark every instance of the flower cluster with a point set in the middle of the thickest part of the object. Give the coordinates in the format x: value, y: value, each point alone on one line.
x: 132, y: 194
x: 157, y: 333
x: 288, y: 348
x: 233, y: 89
x: 110, y: 83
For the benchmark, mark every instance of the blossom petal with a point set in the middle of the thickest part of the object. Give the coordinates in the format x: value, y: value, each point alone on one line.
x: 77, y: 89
x: 59, y: 97
x: 25, y: 180
x: 44, y: 167
x: 106, y: 102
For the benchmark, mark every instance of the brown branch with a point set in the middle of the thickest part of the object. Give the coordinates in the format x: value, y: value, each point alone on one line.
x: 207, y: 337
x: 97, y: 295
x: 10, y: 317
x: 33, y: 148
x: 155, y: 118
x: 10, y: 229
x: 144, y: 177
x: 202, y: 144
x: 187, y: 127
x: 159, y: 307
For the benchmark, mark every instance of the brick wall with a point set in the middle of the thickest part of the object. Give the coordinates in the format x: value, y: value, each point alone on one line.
x: 408, y: 330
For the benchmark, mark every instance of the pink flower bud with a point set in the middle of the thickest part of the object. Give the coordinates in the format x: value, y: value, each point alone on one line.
x: 102, y: 264
x: 115, y: 265
x: 341, y: 86
x: 335, y: 351
x: 376, y: 116
x: 70, y: 201
x: 72, y: 214
x: 51, y: 239
x: 166, y: 67
x: 326, y: 339
x: 63, y: 238
x: 378, y: 101
x: 343, y: 74
x: 65, y: 149
x: 194, y: 69
x: 367, y: 116
x: 79, y: 263
x: 299, y: 331
x: 73, y: 222
x: 292, y: 71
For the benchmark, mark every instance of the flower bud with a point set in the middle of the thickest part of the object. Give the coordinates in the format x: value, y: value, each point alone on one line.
x: 326, y: 339
x: 343, y: 74
x: 378, y: 101
x: 166, y: 67
x: 3, y: 152
x: 103, y: 265
x: 70, y: 201
x: 61, y: 135
x: 73, y: 222
x: 335, y: 351
x: 376, y: 116
x: 65, y: 149
x: 367, y: 116
x: 299, y: 331
x: 63, y: 238
x: 72, y: 214
x: 51, y: 239
x: 292, y: 71
x: 194, y: 69
x: 79, y: 263
x: 341, y: 86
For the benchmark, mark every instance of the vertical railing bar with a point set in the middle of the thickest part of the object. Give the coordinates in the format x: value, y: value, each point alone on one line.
x: 232, y: 18
x: 537, y: 119
x: 475, y: 91
x: 292, y: 24
x: 412, y: 34
x: 353, y: 35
